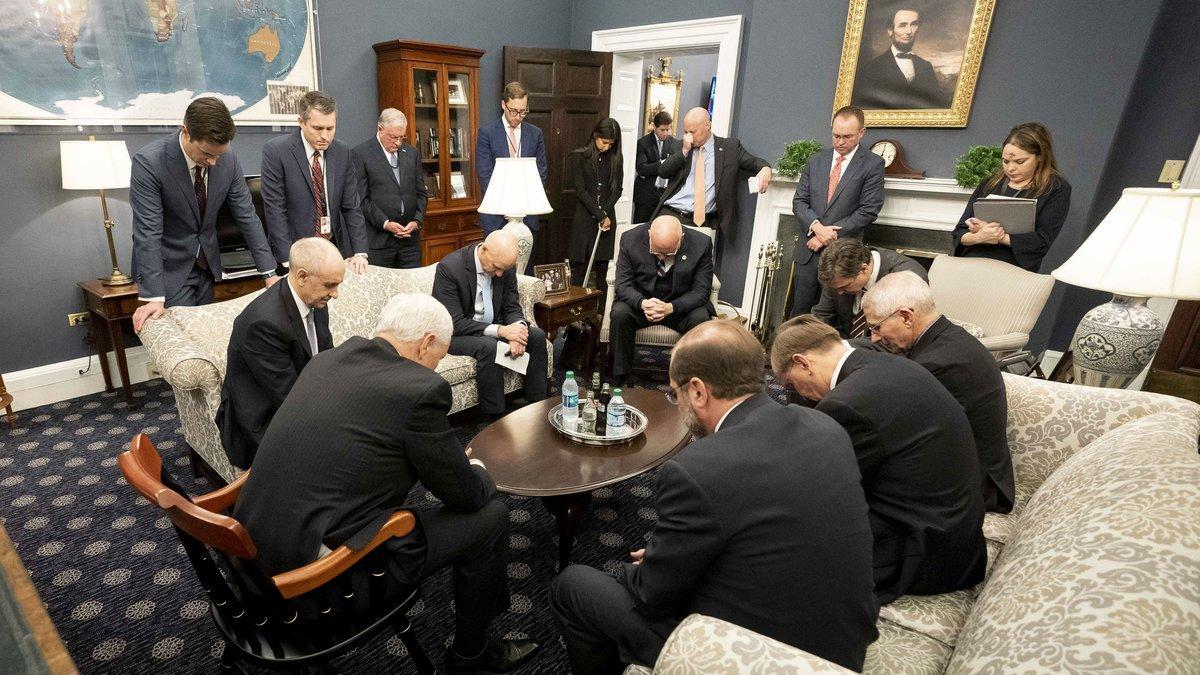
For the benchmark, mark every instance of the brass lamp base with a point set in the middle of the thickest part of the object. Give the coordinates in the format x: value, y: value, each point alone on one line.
x: 117, y: 278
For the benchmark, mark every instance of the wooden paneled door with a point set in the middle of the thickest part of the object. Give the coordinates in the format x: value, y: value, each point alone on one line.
x: 1176, y: 367
x: 568, y: 93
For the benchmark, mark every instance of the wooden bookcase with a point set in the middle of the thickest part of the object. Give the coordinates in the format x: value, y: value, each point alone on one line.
x: 437, y: 88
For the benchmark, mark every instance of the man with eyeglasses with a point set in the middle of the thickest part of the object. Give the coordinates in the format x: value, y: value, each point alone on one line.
x: 392, y: 186
x: 664, y: 277
x: 762, y: 522
x: 903, y: 319
x: 915, y: 451
x: 509, y: 136
x: 847, y: 268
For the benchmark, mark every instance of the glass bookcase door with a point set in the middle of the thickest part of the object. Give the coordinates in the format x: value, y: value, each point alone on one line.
x: 425, y: 125
x: 458, y: 134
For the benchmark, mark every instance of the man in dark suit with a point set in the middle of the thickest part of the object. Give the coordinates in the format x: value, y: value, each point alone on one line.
x: 652, y: 150
x: 362, y: 425
x: 847, y: 268
x: 664, y: 276
x: 509, y: 136
x: 920, y: 472
x: 310, y: 186
x: 904, y: 319
x: 392, y: 187
x: 761, y: 522
x: 898, y: 79
x: 478, y: 286
x: 839, y: 194
x: 273, y: 338
x: 176, y: 187
x: 716, y: 162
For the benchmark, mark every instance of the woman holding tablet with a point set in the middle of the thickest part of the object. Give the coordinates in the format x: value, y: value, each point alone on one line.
x: 1027, y: 170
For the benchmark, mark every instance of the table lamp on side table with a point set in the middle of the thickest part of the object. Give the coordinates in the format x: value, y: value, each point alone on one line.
x: 1148, y: 246
x: 98, y: 165
x: 514, y: 192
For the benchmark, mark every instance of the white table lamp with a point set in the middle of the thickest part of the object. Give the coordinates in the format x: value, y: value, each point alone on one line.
x: 1147, y: 246
x: 514, y: 192
x: 98, y: 165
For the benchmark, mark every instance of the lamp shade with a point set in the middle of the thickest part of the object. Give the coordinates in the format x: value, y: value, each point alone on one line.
x: 1148, y: 246
x: 515, y: 189
x: 94, y: 165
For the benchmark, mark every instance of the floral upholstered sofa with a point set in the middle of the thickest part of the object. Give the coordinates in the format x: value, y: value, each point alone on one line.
x: 188, y: 345
x: 1096, y: 570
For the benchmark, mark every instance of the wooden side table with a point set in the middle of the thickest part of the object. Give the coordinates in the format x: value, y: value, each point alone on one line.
x: 6, y: 400
x: 110, y: 305
x: 577, y: 304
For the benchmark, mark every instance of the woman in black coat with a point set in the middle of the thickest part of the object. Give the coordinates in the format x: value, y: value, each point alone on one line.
x: 598, y: 174
x: 1027, y: 170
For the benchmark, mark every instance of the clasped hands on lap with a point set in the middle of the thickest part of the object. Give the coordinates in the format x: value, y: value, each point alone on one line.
x: 656, y: 310
x: 517, y: 337
x: 981, y: 232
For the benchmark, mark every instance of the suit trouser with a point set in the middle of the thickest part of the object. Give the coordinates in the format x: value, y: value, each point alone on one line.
x: 398, y: 255
x: 806, y: 290
x: 625, y: 322
x: 489, y: 377
x: 600, y: 623
x: 197, y: 289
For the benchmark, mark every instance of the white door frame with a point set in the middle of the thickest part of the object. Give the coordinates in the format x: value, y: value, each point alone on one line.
x: 628, y: 83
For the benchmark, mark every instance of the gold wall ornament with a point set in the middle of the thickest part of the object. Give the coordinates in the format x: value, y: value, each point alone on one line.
x: 972, y: 35
x: 662, y: 93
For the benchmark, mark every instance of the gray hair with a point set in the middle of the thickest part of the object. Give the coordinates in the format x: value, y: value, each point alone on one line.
x: 898, y: 290
x: 390, y: 117
x: 411, y: 316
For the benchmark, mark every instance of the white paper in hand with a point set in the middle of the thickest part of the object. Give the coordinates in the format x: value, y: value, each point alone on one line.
x: 519, y: 364
x: 752, y: 181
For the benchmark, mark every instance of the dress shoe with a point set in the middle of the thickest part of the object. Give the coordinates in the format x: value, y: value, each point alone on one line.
x: 499, y: 656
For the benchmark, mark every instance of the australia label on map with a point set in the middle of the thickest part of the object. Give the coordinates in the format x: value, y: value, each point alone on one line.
x: 142, y: 61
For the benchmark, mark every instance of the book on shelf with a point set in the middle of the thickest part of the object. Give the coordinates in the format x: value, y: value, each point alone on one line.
x: 458, y: 184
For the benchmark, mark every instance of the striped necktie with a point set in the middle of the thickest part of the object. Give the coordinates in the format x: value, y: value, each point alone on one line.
x: 662, y: 267
x: 859, y: 326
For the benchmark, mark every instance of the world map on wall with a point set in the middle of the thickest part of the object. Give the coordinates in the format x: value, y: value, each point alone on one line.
x: 141, y: 61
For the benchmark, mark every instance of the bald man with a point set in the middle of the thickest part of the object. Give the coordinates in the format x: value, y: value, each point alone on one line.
x: 273, y: 338
x: 664, y: 277
x: 478, y: 286
x: 717, y: 161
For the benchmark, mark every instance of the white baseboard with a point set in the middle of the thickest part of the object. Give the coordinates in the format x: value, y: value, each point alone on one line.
x: 61, y: 381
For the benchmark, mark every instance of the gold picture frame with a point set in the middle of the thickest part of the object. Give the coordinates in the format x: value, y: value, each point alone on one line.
x: 959, y: 33
x: 662, y: 93
x: 556, y: 277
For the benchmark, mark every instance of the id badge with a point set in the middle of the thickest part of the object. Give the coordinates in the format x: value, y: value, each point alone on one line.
x: 325, y: 225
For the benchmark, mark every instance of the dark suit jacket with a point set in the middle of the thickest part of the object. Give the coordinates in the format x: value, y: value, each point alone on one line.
x: 837, y: 310
x: 492, y: 142
x: 267, y: 350
x: 167, y: 231
x: 881, y: 84
x: 730, y: 159
x: 856, y: 199
x: 764, y: 524
x: 288, y: 203
x: 691, y: 275
x: 595, y: 199
x: 647, y: 164
x: 968, y: 371
x: 920, y: 474
x: 382, y: 197
x: 362, y: 425
x: 1027, y: 249
x: 455, y: 284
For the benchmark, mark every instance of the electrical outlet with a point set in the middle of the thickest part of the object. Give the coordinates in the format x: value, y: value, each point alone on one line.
x: 77, y: 318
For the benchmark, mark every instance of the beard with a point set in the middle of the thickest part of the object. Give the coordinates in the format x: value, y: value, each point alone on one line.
x: 693, y: 423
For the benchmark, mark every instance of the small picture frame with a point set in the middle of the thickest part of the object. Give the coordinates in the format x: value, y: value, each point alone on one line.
x: 556, y: 276
x: 458, y: 93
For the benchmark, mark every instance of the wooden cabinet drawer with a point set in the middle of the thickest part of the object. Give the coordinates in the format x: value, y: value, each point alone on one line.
x: 576, y: 312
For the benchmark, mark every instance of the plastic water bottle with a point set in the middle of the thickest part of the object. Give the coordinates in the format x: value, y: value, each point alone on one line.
x: 570, y: 399
x: 616, y: 413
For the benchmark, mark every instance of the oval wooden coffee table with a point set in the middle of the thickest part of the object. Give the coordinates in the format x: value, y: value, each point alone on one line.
x: 526, y: 456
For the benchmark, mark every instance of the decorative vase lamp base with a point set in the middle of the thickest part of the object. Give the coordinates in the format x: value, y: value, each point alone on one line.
x: 520, y: 230
x: 1115, y: 342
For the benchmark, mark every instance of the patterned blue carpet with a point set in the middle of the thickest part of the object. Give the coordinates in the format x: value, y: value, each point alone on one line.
x: 124, y: 596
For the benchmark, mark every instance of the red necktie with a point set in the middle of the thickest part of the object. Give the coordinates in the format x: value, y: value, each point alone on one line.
x: 834, y: 177
x: 202, y: 202
x: 318, y: 178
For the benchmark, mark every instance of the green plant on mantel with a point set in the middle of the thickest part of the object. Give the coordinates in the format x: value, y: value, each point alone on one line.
x: 795, y: 155
x: 980, y: 162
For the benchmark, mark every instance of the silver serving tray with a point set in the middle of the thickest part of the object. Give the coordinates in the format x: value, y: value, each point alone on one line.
x: 635, y: 426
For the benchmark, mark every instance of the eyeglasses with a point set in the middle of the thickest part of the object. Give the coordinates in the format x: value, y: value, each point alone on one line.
x: 872, y: 327
x: 673, y: 396
x: 518, y: 113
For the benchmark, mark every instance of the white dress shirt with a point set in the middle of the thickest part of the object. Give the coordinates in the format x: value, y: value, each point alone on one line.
x: 685, y: 199
x: 837, y: 371
x: 870, y: 281
x: 722, y: 420
x: 660, y: 182
x: 516, y: 138
x: 305, y: 311
x: 905, y: 65
x: 483, y: 295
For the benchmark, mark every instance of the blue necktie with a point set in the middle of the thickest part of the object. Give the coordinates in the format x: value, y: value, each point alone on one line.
x: 485, y: 300
x: 394, y: 160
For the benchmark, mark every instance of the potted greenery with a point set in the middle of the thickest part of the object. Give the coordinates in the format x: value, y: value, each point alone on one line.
x: 795, y: 155
x: 976, y: 165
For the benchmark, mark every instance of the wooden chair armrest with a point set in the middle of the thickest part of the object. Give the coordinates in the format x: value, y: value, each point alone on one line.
x: 320, y: 572
x: 220, y: 500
